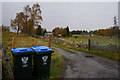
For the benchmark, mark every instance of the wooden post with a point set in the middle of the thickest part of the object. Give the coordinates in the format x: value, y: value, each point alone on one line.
x: 74, y: 43
x: 13, y: 45
x: 34, y: 42
x: 13, y: 42
x: 7, y: 64
x: 82, y: 42
x: 89, y: 44
x: 49, y: 41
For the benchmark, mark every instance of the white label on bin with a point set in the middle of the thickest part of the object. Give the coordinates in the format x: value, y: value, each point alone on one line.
x: 24, y: 61
x: 44, y: 58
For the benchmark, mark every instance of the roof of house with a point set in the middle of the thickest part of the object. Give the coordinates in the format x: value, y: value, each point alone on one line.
x: 48, y: 33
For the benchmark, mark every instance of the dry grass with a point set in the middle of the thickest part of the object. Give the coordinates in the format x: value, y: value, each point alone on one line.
x: 57, y: 63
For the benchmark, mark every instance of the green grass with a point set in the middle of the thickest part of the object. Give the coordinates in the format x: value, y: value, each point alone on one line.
x: 103, y: 40
x: 61, y: 46
x: 57, y: 65
x: 109, y: 55
x: 57, y: 61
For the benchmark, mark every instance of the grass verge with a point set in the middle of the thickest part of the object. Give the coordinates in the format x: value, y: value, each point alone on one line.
x: 109, y: 55
x: 57, y: 65
x: 61, y: 46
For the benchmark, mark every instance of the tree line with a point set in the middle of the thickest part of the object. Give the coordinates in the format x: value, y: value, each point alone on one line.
x: 64, y: 32
x: 112, y: 31
x: 5, y: 28
x: 78, y: 32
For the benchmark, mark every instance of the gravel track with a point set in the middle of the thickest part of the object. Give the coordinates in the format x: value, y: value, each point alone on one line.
x: 82, y: 65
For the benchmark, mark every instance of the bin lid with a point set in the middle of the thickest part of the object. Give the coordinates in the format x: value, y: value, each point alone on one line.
x: 21, y: 50
x: 41, y: 49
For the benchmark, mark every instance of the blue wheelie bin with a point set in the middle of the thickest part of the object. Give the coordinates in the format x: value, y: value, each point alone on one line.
x: 22, y: 63
x: 41, y: 61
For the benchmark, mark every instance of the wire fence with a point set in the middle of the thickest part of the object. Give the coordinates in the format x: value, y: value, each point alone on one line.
x: 8, y: 43
x: 97, y: 44
x: 93, y: 44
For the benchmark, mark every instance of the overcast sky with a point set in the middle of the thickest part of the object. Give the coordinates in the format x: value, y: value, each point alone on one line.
x: 76, y: 15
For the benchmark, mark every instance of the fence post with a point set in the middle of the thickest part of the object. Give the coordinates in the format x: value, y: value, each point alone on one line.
x: 89, y: 44
x: 73, y: 42
x: 13, y: 45
x: 13, y: 42
x: 7, y: 64
x: 34, y: 41
x: 49, y: 41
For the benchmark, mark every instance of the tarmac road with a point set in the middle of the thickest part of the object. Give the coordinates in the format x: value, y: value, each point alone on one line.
x: 82, y: 65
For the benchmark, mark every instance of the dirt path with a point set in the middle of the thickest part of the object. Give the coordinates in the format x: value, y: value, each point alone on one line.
x: 80, y: 66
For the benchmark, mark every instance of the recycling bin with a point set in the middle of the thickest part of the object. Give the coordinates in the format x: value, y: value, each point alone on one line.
x: 22, y: 63
x: 41, y: 61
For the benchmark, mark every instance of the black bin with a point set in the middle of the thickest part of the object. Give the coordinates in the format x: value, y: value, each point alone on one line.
x: 41, y: 61
x: 22, y: 63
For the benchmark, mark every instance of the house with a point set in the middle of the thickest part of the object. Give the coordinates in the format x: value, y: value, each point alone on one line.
x: 49, y: 34
x: 87, y: 34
